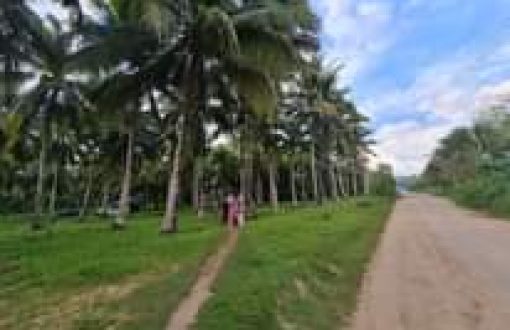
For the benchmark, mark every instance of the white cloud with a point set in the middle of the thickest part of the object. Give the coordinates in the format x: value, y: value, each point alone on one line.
x: 448, y: 94
x: 493, y: 94
x: 357, y: 32
x: 408, y: 145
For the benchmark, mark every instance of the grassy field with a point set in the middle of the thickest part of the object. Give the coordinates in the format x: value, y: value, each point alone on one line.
x: 84, y: 276
x: 297, y: 270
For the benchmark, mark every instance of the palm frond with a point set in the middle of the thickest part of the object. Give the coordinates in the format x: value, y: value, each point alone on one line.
x: 157, y: 15
x: 268, y: 49
x: 255, y: 87
x: 216, y: 33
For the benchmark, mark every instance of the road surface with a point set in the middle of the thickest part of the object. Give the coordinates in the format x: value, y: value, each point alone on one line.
x: 438, y: 267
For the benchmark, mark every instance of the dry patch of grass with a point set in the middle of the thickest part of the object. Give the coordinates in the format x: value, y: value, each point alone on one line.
x: 66, y: 313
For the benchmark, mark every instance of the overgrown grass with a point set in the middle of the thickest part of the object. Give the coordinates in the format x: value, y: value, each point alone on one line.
x: 298, y: 270
x: 84, y: 276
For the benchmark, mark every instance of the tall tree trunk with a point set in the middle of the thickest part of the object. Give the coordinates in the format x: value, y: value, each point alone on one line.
x: 273, y: 186
x: 322, y: 187
x: 86, y: 195
x: 54, y: 191
x: 243, y: 170
x: 333, y: 182
x: 347, y: 182
x: 260, y: 190
x: 304, y: 196
x: 341, y: 182
x: 366, y: 183
x: 124, y: 207
x: 201, y: 204
x: 246, y: 188
x: 354, y: 180
x: 293, y: 187
x: 249, y: 197
x: 313, y: 169
x: 41, y: 177
x: 169, y: 223
x: 106, y: 195
x: 197, y: 184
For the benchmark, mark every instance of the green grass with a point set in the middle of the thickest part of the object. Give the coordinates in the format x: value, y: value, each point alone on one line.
x: 84, y: 276
x: 297, y: 270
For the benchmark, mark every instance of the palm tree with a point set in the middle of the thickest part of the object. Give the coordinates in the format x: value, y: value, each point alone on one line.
x: 55, y: 91
x: 200, y: 39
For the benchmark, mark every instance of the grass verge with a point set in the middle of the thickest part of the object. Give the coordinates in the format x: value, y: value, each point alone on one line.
x: 84, y: 276
x: 297, y: 270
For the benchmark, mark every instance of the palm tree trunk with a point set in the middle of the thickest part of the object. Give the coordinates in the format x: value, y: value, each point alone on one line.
x: 341, y: 182
x: 260, y: 190
x: 333, y: 182
x: 304, y: 196
x: 315, y: 184
x: 106, y: 195
x: 169, y: 223
x: 39, y: 196
x: 197, y: 181
x: 366, y: 183
x: 273, y: 187
x: 120, y: 220
x: 243, y: 182
x: 347, y: 183
x: 54, y: 191
x: 249, y: 197
x: 293, y: 187
x: 201, y: 204
x: 86, y: 195
x: 322, y: 188
x: 354, y: 180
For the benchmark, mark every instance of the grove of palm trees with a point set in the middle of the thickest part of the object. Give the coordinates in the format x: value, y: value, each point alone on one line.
x: 122, y: 121
x: 153, y: 99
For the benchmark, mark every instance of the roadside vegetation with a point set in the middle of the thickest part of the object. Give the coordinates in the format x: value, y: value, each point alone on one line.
x: 298, y: 270
x: 472, y: 164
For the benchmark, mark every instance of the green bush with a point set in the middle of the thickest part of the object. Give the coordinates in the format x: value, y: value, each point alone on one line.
x: 488, y: 191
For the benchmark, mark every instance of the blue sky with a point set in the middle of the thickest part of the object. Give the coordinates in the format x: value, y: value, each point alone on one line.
x: 418, y: 68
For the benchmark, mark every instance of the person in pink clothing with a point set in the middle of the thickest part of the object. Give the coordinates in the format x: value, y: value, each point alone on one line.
x: 233, y: 211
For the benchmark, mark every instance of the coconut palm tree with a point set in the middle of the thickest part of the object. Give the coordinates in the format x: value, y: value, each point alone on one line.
x: 54, y: 90
x: 209, y: 38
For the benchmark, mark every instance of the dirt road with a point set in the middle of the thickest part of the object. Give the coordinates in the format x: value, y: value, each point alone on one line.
x: 438, y: 267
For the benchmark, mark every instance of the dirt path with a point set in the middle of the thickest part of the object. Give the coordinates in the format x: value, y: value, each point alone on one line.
x: 184, y: 316
x: 438, y: 268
